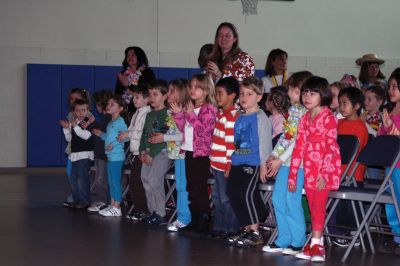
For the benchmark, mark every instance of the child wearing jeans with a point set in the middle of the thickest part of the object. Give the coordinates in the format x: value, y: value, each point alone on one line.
x: 317, y: 149
x: 99, y: 187
x: 154, y: 157
x: 115, y: 154
x: 252, y: 138
x: 81, y: 153
x: 222, y: 147
x: 288, y: 208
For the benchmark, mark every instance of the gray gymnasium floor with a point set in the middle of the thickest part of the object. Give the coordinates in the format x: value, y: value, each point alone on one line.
x: 36, y: 230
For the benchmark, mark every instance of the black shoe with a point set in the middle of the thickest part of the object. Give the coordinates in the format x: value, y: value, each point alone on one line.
x: 138, y: 216
x: 156, y: 220
x: 235, y: 237
x: 251, y: 239
x: 389, y: 247
x: 68, y: 204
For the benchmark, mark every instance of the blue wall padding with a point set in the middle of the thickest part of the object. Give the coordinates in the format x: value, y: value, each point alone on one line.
x: 43, y: 113
x: 48, y: 89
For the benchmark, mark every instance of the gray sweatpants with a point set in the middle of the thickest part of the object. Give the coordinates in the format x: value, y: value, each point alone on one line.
x: 99, y: 188
x: 153, y: 182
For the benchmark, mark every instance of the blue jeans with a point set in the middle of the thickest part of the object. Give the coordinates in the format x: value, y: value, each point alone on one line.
x: 391, y: 215
x: 79, y: 181
x: 183, y: 212
x: 288, y: 210
x: 224, y: 218
x: 114, y: 170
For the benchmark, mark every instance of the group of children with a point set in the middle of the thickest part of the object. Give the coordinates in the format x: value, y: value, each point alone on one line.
x: 220, y: 130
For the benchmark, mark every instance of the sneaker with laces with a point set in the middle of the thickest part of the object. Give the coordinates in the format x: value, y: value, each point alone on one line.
x: 342, y: 242
x: 235, y: 237
x: 138, y: 216
x: 156, y: 219
x: 111, y: 212
x: 317, y: 253
x: 251, y: 239
x: 175, y: 226
x: 305, y: 254
x: 273, y: 248
x: 291, y: 250
x: 95, y: 208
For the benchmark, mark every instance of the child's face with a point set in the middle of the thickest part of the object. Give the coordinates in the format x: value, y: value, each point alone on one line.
x: 371, y: 103
x: 394, y: 92
x: 196, y: 93
x: 311, y: 99
x: 139, y: 101
x: 80, y: 111
x: 335, y: 102
x: 113, y: 107
x: 172, y: 95
x: 157, y: 99
x: 73, y: 97
x: 294, y: 94
x: 346, y: 108
x: 248, y: 98
x: 224, y: 100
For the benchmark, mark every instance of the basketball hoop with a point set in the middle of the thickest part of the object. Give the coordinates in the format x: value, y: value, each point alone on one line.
x: 249, y: 7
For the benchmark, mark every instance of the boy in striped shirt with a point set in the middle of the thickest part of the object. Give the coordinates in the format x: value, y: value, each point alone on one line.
x: 222, y: 147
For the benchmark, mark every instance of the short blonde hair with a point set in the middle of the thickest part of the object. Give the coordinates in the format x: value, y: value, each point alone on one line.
x: 253, y: 83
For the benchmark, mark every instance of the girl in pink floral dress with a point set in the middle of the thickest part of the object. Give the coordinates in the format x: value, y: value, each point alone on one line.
x: 316, y: 148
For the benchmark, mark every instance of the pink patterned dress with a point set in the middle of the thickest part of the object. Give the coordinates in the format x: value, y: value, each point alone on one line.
x: 316, y: 146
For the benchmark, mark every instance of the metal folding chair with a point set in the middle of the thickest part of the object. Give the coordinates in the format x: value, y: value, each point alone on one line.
x: 383, y: 151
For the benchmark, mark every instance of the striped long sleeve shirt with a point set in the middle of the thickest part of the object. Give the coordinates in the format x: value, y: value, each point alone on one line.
x: 222, y: 145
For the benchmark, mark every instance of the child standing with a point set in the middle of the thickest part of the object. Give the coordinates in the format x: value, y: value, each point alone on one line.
x: 375, y: 96
x: 350, y: 103
x: 252, y: 138
x: 278, y: 104
x: 81, y: 153
x: 197, y: 122
x: 288, y: 207
x: 115, y: 154
x: 140, y: 101
x: 391, y: 126
x: 222, y: 147
x: 317, y: 149
x: 154, y: 155
x: 177, y: 95
x: 100, y: 184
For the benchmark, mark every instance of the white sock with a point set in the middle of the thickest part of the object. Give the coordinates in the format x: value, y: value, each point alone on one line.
x: 321, y: 241
x: 315, y: 241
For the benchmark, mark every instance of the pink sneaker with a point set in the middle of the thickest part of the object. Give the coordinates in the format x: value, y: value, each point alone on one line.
x: 305, y: 254
x: 318, y: 253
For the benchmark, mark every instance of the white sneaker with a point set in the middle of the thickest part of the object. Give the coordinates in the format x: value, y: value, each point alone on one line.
x: 96, y: 207
x: 109, y: 212
x: 273, y: 248
x: 290, y: 250
x: 175, y: 226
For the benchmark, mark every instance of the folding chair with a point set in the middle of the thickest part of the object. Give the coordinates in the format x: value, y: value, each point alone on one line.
x: 383, y: 151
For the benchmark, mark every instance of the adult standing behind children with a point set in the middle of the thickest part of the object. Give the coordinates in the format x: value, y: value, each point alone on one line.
x: 275, y: 70
x: 370, y: 73
x: 227, y: 59
x: 135, y: 70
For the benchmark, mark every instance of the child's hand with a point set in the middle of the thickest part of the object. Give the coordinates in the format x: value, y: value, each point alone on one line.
x: 387, y: 121
x: 123, y: 79
x: 156, y: 138
x: 291, y: 187
x: 273, y: 167
x: 176, y: 108
x: 148, y: 159
x: 263, y: 173
x: 213, y: 69
x: 84, y: 124
x: 97, y: 132
x: 189, y: 107
x: 321, y: 183
x: 227, y: 172
x: 122, y: 136
x: 109, y: 147
x: 64, y: 124
x: 270, y: 158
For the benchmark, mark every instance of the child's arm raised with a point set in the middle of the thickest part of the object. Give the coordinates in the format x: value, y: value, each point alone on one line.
x: 204, y: 123
x: 82, y: 133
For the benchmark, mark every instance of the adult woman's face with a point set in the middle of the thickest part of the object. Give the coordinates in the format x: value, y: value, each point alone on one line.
x: 373, y: 69
x: 280, y: 64
x: 226, y: 39
x: 131, y: 58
